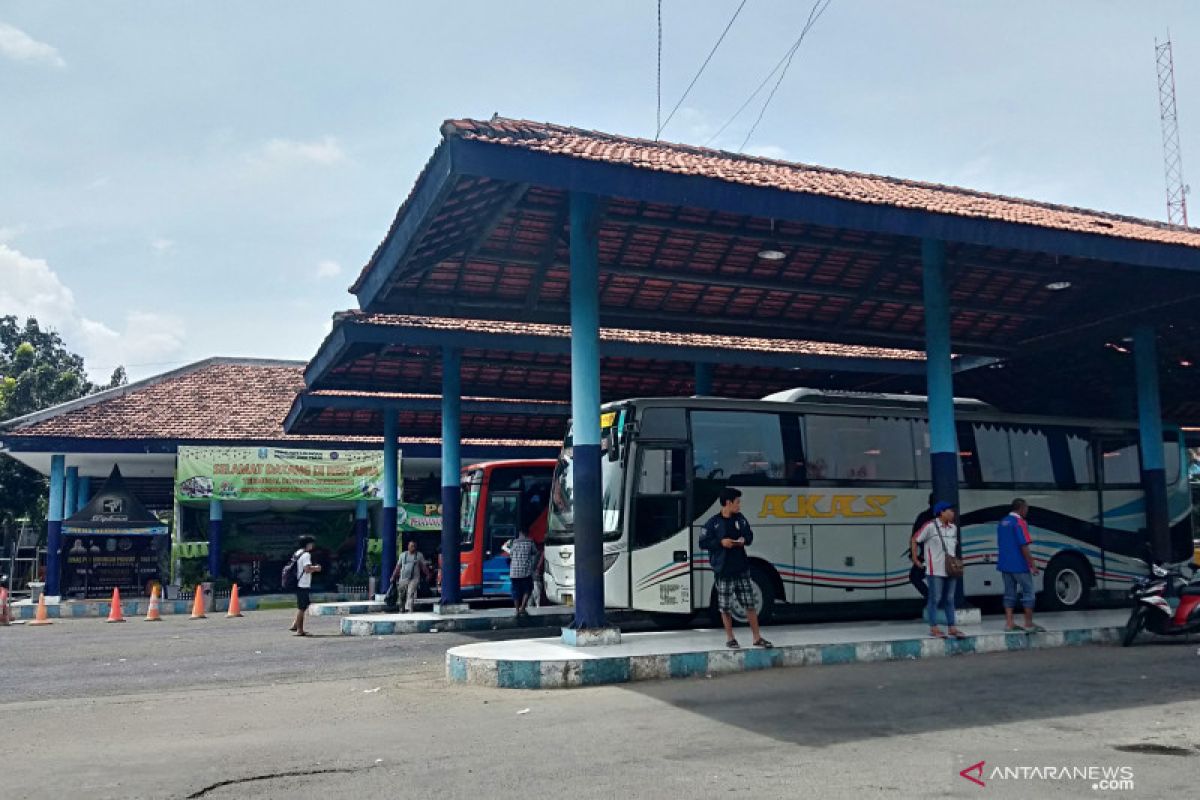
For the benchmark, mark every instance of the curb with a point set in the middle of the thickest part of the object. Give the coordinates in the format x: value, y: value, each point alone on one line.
x: 393, y: 627
x: 139, y: 608
x: 571, y: 672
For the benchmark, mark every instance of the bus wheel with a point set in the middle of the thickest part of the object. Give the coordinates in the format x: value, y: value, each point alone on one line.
x: 1066, y: 583
x: 764, y: 598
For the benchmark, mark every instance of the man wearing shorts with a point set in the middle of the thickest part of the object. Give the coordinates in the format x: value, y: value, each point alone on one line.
x: 304, y: 570
x: 1016, y: 565
x: 726, y: 537
x: 524, y: 559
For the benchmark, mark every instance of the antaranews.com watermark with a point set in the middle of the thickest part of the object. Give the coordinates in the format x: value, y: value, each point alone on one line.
x: 1099, y: 777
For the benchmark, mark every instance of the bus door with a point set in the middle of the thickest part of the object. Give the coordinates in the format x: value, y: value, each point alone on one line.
x: 660, y: 552
x: 501, y: 521
x: 1122, y: 508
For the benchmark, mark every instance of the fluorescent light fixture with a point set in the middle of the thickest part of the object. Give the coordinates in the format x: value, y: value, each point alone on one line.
x: 771, y: 252
x: 1058, y: 286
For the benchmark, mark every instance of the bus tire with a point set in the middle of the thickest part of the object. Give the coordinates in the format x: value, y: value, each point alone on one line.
x: 1066, y: 583
x: 764, y: 592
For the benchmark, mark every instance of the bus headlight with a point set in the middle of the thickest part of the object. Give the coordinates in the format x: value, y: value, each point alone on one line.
x: 609, y: 560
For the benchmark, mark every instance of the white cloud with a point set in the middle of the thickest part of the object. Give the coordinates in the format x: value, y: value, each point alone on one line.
x: 321, y: 152
x: 162, y: 245
x: 18, y: 45
x: 329, y: 269
x: 30, y: 288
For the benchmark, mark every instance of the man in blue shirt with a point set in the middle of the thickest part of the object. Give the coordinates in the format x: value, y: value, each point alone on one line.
x: 1017, y: 566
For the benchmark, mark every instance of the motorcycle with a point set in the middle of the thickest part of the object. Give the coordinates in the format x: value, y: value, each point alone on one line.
x: 1164, y: 603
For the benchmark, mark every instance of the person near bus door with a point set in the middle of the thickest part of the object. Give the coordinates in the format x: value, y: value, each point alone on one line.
x: 726, y: 536
x: 940, y: 538
x: 916, y: 575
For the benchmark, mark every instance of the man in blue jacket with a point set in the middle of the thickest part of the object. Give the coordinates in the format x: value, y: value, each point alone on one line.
x: 726, y: 537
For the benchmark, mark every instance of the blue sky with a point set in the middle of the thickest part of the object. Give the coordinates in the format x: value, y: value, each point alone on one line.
x: 185, y: 180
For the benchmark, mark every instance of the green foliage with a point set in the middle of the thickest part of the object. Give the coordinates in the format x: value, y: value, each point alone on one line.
x: 37, y: 371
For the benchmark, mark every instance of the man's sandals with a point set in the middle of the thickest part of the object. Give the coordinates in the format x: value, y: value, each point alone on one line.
x: 732, y: 644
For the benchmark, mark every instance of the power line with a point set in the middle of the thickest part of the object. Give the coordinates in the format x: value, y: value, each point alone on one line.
x: 658, y: 113
x: 701, y: 70
x: 813, y: 16
x: 781, y: 64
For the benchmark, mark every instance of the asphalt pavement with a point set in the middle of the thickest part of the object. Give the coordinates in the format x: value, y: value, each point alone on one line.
x: 239, y: 708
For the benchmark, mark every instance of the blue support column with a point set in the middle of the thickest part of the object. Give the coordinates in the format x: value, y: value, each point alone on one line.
x: 943, y: 440
x: 704, y: 379
x: 71, y: 492
x: 361, y: 530
x: 85, y: 492
x: 54, y: 517
x: 216, y: 520
x: 585, y: 414
x: 1154, y: 476
x: 387, y: 520
x: 451, y: 467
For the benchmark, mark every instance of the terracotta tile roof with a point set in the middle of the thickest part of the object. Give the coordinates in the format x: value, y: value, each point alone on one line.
x: 218, y: 399
x: 858, y: 187
x: 624, y: 335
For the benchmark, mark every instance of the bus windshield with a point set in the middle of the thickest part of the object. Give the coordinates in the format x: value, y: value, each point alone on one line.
x: 561, y: 524
x: 472, y: 482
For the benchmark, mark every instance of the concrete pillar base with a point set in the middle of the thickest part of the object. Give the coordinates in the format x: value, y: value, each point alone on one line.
x: 451, y: 608
x: 591, y: 637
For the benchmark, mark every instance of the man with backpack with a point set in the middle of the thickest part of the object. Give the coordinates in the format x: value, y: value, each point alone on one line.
x: 297, y: 574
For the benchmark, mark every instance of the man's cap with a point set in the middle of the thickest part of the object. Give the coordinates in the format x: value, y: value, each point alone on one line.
x: 940, y: 507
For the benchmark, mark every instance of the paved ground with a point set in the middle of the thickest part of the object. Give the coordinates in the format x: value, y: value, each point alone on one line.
x: 240, y: 709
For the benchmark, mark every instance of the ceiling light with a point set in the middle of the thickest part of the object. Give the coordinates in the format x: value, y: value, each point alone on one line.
x: 1185, y: 363
x: 1058, y: 286
x: 770, y: 250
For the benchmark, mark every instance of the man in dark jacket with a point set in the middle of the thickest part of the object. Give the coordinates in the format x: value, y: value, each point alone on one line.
x: 726, y: 537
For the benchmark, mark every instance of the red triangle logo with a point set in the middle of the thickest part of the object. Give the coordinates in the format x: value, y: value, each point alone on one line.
x: 978, y: 776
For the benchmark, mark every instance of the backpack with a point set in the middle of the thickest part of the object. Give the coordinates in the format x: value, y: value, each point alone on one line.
x: 287, y: 578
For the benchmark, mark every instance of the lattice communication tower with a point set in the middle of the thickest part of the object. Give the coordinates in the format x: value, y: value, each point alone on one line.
x: 1172, y: 157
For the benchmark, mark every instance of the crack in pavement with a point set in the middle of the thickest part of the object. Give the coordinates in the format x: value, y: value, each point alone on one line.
x: 273, y: 776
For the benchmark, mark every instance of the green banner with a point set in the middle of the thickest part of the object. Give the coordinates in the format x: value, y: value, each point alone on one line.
x: 277, y: 473
x: 413, y: 517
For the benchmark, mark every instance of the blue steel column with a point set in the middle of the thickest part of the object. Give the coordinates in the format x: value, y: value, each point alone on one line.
x: 704, y: 379
x: 54, y: 516
x: 387, y: 520
x: 585, y: 414
x: 451, y: 483
x: 943, y: 441
x: 71, y: 492
x: 360, y: 536
x: 1154, y: 476
x: 85, y: 490
x: 216, y: 520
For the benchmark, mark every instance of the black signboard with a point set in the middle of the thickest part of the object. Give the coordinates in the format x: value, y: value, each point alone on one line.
x: 95, y: 564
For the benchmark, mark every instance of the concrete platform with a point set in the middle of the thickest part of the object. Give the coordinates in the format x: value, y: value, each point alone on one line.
x: 549, y: 664
x: 483, y: 619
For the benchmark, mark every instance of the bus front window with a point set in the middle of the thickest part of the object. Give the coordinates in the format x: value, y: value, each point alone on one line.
x: 561, y: 523
x: 472, y: 482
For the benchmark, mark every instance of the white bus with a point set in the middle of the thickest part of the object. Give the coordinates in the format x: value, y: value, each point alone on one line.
x: 832, y: 484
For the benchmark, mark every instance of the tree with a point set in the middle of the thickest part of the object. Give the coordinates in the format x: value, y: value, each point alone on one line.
x: 36, y: 371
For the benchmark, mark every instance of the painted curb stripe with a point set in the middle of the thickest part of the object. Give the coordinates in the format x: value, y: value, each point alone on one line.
x: 557, y: 674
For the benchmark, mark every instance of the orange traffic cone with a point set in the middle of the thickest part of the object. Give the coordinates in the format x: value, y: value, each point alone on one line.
x: 114, y: 608
x: 4, y: 614
x: 42, y: 617
x: 235, y: 607
x: 153, y: 614
x: 198, y: 604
